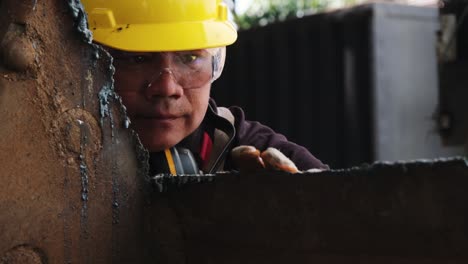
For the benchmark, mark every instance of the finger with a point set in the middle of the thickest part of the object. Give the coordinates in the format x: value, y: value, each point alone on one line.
x: 314, y: 170
x: 276, y: 160
x: 247, y: 159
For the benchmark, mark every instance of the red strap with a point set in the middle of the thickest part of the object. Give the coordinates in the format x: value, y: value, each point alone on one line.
x: 205, y: 149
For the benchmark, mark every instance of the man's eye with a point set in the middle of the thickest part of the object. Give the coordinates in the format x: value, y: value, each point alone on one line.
x: 139, y: 59
x: 189, y: 58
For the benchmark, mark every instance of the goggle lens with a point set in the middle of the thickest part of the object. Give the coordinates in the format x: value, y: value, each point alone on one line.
x: 190, y: 69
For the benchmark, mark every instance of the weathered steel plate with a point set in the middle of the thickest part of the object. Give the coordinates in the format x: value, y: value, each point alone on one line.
x: 71, y: 190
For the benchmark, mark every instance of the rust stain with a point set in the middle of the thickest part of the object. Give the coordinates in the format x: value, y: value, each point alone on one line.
x: 69, y: 172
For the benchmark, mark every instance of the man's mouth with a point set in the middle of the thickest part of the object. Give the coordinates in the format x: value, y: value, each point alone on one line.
x: 159, y: 117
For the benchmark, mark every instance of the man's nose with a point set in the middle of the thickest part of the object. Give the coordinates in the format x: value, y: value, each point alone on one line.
x: 163, y: 84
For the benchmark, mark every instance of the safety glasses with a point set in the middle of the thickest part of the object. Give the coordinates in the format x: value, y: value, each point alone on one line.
x: 190, y: 69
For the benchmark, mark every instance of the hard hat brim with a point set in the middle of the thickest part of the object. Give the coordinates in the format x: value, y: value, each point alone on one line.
x: 167, y: 37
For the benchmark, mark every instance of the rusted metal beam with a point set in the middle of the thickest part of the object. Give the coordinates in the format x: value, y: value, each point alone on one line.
x: 71, y: 183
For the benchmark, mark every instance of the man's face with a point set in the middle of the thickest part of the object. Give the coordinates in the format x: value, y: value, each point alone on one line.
x: 166, y: 94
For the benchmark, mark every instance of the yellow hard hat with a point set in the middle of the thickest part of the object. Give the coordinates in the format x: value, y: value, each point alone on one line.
x: 160, y: 25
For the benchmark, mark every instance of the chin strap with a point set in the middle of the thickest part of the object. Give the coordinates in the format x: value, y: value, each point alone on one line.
x: 223, y: 137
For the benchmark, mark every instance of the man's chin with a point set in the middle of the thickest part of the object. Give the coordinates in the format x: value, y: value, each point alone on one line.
x: 155, y: 144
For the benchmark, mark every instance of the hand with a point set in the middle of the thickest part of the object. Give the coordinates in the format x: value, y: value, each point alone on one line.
x: 250, y: 159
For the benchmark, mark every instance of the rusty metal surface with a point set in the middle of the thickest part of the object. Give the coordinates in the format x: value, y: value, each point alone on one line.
x: 71, y: 190
x: 386, y: 213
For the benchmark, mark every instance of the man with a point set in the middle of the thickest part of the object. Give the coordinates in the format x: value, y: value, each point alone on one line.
x: 167, y: 54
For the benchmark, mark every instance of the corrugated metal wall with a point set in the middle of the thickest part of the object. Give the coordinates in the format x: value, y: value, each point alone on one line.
x: 293, y: 77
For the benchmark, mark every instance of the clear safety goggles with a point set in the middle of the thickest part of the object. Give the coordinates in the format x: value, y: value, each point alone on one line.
x: 190, y: 69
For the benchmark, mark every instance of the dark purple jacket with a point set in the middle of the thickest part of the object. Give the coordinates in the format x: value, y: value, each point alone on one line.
x: 260, y: 136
